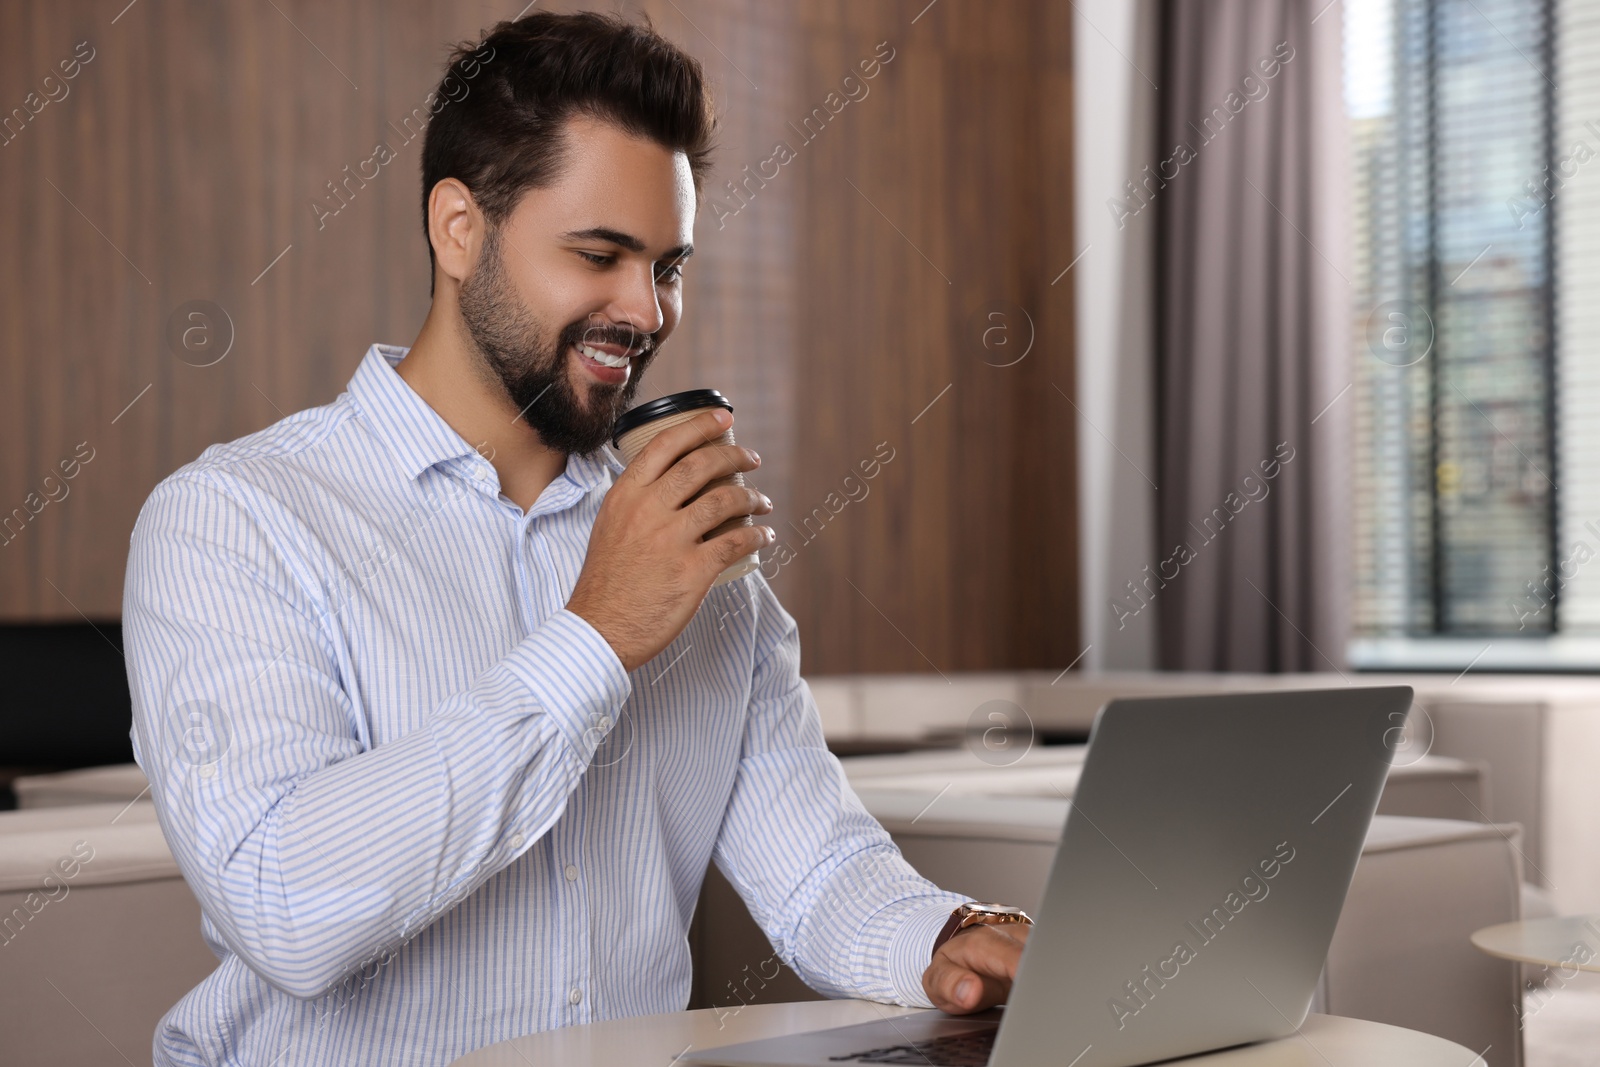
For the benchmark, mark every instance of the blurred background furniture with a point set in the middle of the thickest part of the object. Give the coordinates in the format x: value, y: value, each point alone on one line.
x: 1570, y: 943
x: 1535, y: 738
x: 117, y: 783
x: 99, y: 934
x: 69, y: 686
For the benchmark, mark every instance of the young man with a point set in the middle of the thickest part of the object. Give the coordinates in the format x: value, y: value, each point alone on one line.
x: 441, y: 716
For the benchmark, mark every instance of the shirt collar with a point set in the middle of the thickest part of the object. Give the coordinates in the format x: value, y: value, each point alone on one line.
x: 419, y: 438
x: 588, y: 471
x: 415, y: 434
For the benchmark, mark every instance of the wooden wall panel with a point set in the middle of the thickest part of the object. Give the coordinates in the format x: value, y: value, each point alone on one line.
x: 940, y: 213
x: 833, y: 302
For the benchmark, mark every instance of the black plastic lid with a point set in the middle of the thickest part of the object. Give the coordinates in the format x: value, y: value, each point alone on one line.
x: 671, y: 404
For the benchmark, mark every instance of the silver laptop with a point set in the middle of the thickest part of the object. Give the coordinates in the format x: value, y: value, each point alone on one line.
x: 1194, y: 893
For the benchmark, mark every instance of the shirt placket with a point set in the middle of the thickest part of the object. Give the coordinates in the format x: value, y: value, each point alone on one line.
x: 539, y: 586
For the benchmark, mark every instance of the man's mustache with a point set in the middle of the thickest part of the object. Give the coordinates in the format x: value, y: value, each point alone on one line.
x: 642, y: 343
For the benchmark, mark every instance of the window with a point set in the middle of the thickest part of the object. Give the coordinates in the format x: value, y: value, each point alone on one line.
x: 1476, y: 319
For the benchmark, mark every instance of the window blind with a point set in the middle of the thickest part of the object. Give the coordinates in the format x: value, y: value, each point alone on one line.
x: 1451, y: 108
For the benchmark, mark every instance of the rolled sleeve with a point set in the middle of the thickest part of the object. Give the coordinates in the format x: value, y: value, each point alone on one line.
x: 574, y: 674
x: 911, y: 949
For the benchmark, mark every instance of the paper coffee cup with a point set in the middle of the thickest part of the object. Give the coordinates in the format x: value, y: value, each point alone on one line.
x: 638, y: 427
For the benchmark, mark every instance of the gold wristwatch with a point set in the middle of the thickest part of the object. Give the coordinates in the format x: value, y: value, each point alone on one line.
x: 975, y: 913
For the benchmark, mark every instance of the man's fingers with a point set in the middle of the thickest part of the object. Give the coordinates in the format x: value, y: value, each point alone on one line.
x: 988, y: 950
x: 675, y: 442
x: 689, y: 477
x: 973, y: 970
x: 957, y: 990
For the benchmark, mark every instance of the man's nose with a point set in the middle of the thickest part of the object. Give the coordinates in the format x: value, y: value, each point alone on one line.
x: 638, y: 304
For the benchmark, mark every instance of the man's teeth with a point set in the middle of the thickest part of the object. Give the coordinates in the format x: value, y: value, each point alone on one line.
x: 603, y: 358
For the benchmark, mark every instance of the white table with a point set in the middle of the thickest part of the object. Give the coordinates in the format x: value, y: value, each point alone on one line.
x: 658, y: 1040
x: 1568, y: 942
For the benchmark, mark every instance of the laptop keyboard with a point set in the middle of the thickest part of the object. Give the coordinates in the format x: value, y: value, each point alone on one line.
x: 958, y: 1050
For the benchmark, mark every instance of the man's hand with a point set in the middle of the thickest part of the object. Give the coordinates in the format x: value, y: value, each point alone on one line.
x: 647, y: 571
x: 973, y: 970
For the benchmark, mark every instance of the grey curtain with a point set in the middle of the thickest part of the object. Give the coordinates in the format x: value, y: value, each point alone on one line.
x: 1252, y: 356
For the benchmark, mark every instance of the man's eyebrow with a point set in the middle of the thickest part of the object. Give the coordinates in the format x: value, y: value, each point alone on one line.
x: 626, y: 240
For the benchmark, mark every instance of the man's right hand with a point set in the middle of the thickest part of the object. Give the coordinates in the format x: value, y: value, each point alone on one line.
x: 647, y: 570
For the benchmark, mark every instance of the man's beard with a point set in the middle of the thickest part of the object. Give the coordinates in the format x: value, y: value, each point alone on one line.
x: 533, y: 370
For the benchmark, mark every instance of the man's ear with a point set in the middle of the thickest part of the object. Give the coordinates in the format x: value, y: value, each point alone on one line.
x: 455, y: 228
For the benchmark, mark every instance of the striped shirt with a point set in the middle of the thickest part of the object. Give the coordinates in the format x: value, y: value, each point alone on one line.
x: 423, y: 806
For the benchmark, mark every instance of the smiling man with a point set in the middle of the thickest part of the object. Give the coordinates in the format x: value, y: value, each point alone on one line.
x: 441, y: 715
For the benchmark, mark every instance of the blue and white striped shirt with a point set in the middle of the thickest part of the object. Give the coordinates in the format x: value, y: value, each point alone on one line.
x: 423, y: 806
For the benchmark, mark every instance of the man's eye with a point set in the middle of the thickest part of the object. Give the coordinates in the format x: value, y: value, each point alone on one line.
x: 597, y: 260
x: 671, y: 274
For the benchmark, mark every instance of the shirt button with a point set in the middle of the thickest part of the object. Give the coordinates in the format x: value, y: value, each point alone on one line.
x: 516, y: 840
x: 605, y: 722
x: 575, y: 996
x: 572, y: 873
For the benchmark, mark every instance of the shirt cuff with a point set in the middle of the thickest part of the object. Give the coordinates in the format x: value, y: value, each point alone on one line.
x: 575, y: 677
x: 911, y: 950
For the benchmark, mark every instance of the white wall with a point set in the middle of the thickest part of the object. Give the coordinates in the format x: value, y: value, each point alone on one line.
x: 1115, y: 74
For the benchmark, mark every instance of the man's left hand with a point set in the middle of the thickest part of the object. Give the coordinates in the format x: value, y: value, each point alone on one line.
x: 973, y: 970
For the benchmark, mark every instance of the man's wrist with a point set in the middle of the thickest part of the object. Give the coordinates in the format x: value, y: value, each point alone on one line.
x: 601, y: 626
x: 978, y: 913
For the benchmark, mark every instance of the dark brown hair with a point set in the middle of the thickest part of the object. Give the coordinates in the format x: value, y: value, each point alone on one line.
x: 500, y: 130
